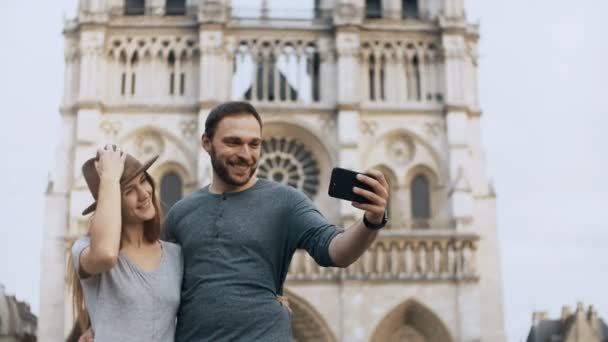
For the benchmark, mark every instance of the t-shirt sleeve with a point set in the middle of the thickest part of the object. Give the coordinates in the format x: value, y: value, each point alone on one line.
x: 309, y: 230
x: 77, y: 248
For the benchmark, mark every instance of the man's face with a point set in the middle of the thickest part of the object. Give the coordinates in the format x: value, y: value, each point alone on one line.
x: 235, y: 148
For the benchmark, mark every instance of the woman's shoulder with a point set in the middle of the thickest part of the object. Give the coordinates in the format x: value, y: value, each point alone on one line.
x: 171, y: 247
x: 81, y: 243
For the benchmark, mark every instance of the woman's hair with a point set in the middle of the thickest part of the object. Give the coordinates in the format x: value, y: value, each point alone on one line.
x: 152, y: 230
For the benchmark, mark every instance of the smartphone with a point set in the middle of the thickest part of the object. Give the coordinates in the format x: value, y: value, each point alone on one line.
x: 342, y: 182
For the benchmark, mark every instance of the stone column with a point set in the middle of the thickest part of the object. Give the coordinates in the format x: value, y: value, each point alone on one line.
x: 453, y: 9
x: 52, y: 262
x: 214, y: 83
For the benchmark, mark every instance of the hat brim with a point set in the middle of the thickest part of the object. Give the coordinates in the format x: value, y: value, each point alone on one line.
x: 143, y: 168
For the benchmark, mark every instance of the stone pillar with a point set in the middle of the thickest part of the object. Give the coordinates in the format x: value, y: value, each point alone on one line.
x: 91, y: 66
x: 457, y: 133
x: 52, y: 262
x: 453, y: 9
x: 327, y: 73
x: 347, y: 46
x: 71, y: 74
x: 155, y: 7
x: 214, y: 81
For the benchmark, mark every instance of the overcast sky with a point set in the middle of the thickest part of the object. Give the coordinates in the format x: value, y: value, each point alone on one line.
x: 543, y: 91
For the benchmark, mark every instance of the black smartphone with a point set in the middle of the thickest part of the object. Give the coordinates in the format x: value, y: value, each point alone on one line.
x: 342, y: 182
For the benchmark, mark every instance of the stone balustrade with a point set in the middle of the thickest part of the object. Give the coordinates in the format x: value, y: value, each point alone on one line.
x: 422, y: 255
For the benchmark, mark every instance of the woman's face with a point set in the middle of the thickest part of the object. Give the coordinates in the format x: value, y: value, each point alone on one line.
x: 137, y: 203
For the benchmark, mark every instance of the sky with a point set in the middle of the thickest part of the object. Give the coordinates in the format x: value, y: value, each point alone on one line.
x: 542, y: 81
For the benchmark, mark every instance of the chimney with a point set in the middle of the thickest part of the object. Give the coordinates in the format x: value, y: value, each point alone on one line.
x: 538, y: 316
x: 566, y: 312
x: 592, y: 318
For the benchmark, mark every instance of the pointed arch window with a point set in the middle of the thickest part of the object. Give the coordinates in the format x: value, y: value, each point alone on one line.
x: 421, y: 198
x: 135, y: 7
x: 409, y: 9
x: 373, y: 9
x: 175, y: 7
x: 170, y: 190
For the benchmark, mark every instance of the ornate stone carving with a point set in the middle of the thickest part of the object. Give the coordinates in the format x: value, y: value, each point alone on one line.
x: 149, y: 144
x: 433, y: 129
x: 400, y: 149
x: 369, y: 127
x: 400, y: 257
x: 155, y: 46
x: 347, y: 44
x: 212, y: 11
x: 345, y: 13
x: 110, y: 129
x: 188, y: 128
x: 288, y: 161
x: 328, y: 124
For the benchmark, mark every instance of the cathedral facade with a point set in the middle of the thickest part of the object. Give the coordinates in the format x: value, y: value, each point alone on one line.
x: 386, y: 84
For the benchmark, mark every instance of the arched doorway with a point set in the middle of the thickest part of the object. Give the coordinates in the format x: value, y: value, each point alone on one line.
x: 411, y: 322
x: 306, y: 323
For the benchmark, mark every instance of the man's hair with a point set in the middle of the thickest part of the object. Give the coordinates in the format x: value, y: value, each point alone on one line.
x: 226, y: 109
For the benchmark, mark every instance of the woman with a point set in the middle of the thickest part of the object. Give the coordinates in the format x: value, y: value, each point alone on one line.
x: 129, y: 278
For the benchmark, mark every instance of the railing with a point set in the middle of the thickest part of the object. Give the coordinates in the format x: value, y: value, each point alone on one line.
x: 438, y: 256
x: 280, y: 13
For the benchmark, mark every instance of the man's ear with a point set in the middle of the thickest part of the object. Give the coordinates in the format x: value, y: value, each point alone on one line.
x: 206, y: 142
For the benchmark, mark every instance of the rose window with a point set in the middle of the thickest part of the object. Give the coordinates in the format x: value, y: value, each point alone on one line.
x: 289, y: 162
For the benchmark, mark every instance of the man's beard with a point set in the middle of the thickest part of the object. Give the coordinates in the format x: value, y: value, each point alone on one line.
x: 221, y: 170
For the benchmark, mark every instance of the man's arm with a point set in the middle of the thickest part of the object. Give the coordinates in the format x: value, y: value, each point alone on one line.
x: 346, y: 248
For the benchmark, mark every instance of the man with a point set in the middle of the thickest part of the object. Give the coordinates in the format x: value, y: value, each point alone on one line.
x: 238, y: 236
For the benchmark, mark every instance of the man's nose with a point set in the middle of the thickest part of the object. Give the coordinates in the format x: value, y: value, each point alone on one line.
x: 245, y: 152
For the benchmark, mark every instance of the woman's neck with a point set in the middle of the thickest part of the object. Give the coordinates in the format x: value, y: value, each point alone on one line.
x: 133, y: 235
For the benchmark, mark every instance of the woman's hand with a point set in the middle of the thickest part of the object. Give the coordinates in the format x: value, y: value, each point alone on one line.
x: 87, y: 336
x: 285, y: 302
x: 110, y: 162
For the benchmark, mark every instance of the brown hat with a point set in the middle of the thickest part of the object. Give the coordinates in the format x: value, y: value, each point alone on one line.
x: 132, y: 168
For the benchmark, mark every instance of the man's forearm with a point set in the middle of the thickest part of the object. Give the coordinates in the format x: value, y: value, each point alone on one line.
x: 347, y: 247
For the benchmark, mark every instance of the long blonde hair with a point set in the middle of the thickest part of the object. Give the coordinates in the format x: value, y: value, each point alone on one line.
x: 152, y: 231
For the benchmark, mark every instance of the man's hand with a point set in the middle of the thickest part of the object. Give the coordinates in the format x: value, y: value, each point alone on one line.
x: 284, y: 301
x: 374, y: 211
x: 87, y: 336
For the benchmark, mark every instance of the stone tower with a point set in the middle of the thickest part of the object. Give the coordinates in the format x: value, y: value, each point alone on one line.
x: 389, y: 84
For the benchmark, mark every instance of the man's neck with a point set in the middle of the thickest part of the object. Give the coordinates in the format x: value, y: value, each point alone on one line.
x: 218, y: 186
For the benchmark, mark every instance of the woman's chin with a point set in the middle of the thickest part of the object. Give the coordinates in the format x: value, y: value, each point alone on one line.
x: 148, y: 214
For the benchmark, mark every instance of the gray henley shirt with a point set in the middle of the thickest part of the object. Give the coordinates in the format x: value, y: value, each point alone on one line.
x: 237, y: 248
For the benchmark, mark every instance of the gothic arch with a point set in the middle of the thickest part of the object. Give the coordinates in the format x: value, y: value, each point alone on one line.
x: 161, y: 142
x: 412, y: 320
x: 425, y: 170
x: 307, y: 324
x: 408, y: 137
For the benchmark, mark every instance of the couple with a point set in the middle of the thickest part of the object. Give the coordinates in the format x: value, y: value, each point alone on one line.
x: 225, y: 250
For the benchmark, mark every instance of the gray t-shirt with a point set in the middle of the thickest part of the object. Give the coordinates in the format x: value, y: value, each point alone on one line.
x: 128, y: 304
x: 237, y: 248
